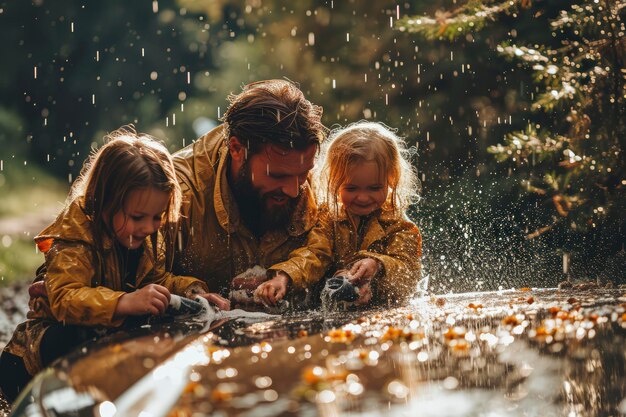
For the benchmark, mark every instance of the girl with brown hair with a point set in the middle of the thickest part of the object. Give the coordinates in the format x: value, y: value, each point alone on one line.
x: 104, y: 256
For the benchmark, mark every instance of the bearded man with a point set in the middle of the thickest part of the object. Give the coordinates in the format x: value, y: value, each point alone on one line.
x: 246, y: 196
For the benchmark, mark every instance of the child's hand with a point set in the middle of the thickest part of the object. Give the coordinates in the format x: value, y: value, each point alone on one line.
x: 271, y: 291
x: 363, y: 271
x: 151, y: 299
x: 217, y: 300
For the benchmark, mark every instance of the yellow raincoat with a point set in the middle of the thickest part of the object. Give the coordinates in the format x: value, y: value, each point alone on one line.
x: 336, y: 243
x: 83, y: 287
x: 213, y: 244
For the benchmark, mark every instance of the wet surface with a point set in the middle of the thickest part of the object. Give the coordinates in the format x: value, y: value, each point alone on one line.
x: 521, y: 353
x: 532, y: 352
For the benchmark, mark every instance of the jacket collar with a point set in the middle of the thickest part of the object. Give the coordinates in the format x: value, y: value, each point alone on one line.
x: 146, y: 263
x: 375, y: 228
x: 222, y: 195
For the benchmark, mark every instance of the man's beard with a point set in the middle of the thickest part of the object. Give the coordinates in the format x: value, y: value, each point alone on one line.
x: 253, y: 209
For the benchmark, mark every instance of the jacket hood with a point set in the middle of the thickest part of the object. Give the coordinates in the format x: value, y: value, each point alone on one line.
x: 72, y: 225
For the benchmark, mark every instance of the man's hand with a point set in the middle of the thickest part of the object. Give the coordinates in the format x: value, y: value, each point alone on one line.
x: 272, y: 291
x: 152, y: 299
x: 216, y: 299
x: 363, y: 271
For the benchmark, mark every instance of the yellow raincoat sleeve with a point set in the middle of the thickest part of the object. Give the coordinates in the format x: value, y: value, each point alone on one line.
x: 401, y: 262
x: 70, y: 270
x: 176, y: 284
x: 308, y: 264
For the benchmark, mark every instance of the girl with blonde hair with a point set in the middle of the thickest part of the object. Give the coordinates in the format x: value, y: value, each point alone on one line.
x: 365, y: 185
x: 104, y: 256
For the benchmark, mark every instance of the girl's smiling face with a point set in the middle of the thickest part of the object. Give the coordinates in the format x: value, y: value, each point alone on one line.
x: 364, y: 189
x: 142, y: 215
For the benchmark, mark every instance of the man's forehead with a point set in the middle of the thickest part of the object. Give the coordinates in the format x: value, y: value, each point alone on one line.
x: 291, y: 158
x: 273, y: 149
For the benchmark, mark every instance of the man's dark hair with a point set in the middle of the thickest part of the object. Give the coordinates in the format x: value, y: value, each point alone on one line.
x: 274, y: 112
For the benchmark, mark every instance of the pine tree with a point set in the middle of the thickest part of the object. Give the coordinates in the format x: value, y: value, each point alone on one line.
x: 572, y: 147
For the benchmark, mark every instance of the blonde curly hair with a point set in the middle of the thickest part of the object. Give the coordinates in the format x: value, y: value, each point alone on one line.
x: 365, y: 141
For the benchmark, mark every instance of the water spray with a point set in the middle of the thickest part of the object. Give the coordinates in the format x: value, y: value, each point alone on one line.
x: 338, y: 288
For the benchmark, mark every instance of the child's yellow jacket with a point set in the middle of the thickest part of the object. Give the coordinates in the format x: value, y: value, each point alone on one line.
x: 84, y: 286
x: 337, y: 243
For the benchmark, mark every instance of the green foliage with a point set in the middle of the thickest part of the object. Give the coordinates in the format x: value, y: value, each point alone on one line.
x: 19, y: 260
x: 450, y: 25
x: 30, y: 199
x: 572, y: 148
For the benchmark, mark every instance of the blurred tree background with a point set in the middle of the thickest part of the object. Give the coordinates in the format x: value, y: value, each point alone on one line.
x: 518, y: 163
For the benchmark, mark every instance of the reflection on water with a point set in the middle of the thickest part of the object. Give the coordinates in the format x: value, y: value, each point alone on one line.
x: 516, y: 353
x: 527, y: 352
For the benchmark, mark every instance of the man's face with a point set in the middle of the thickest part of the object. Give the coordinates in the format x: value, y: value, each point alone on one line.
x: 268, y: 184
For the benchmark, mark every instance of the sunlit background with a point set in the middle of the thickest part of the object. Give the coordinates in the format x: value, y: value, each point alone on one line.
x: 516, y: 112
